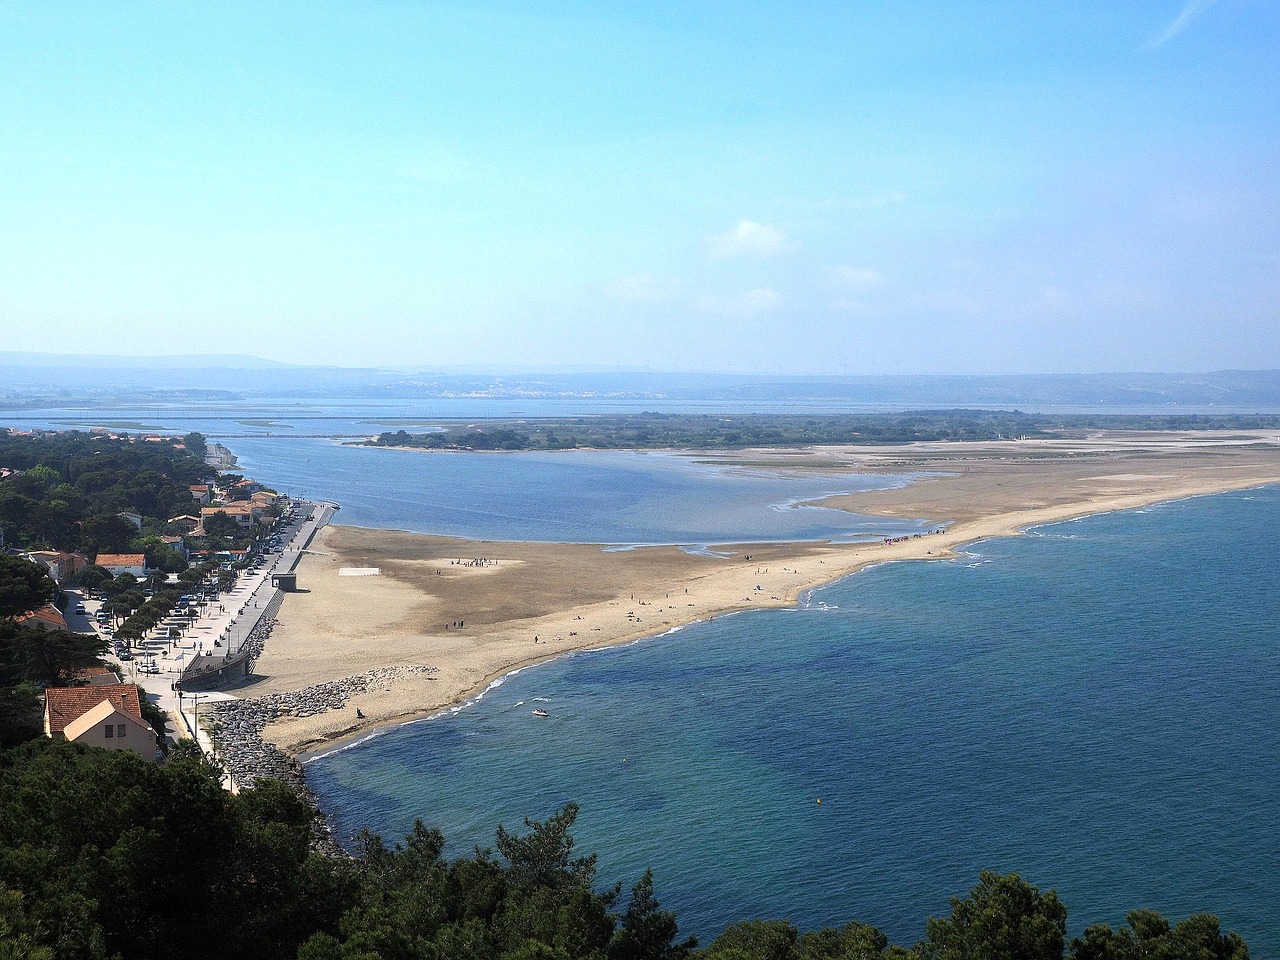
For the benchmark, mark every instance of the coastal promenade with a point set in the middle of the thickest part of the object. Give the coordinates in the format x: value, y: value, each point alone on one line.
x: 221, y: 632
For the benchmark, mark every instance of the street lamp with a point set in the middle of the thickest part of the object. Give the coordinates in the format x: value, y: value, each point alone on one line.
x: 195, y: 710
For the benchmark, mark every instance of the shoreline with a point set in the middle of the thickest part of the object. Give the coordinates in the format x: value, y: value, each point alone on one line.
x: 531, y: 591
x: 353, y: 737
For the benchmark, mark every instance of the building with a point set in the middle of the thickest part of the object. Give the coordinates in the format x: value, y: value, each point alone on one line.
x: 184, y: 522
x: 264, y: 499
x: 92, y: 677
x: 177, y: 543
x: 118, y: 563
x: 47, y: 617
x: 245, y: 487
x: 242, y: 512
x: 61, y: 566
x: 102, y: 716
x: 200, y: 492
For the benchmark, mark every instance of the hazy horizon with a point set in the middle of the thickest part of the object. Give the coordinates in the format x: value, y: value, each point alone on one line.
x: 252, y: 362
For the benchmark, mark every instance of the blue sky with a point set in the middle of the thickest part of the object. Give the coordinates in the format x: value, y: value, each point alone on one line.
x: 798, y: 187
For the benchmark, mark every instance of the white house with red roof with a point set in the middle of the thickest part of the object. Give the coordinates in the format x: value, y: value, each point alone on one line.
x: 118, y: 563
x: 107, y: 716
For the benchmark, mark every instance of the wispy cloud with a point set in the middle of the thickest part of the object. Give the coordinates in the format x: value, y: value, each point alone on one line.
x: 748, y: 239
x: 1192, y: 10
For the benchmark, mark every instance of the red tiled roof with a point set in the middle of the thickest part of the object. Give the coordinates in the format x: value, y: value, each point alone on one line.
x: 89, y: 673
x: 230, y: 509
x: 46, y: 614
x: 121, y: 559
x: 66, y: 704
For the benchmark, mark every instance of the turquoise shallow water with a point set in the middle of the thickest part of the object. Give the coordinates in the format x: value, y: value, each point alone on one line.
x: 1093, y: 706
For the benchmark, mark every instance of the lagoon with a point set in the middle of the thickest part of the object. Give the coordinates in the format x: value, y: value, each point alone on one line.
x: 575, y: 496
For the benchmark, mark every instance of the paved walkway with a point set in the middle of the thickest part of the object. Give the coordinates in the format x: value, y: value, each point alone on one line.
x: 217, y: 631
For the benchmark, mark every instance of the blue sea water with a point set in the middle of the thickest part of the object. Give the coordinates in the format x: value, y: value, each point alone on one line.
x: 1093, y: 706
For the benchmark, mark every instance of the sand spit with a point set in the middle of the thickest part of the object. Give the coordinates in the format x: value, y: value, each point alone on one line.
x: 476, y: 610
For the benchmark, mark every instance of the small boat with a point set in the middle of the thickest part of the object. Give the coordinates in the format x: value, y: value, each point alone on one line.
x: 540, y: 713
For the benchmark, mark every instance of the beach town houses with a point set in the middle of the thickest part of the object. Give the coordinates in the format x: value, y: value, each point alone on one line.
x: 179, y: 544
x: 91, y: 677
x: 107, y: 716
x: 264, y: 499
x: 118, y: 563
x: 62, y: 566
x: 200, y: 492
x: 243, y: 489
x: 184, y: 522
x: 243, y: 512
x: 47, y: 617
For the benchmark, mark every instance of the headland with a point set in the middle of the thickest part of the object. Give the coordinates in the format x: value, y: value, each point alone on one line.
x: 450, y: 616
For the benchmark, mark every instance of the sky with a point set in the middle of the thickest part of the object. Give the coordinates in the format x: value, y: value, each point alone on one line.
x: 747, y: 187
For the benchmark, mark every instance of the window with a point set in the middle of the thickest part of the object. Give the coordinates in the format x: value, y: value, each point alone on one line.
x: 119, y: 729
x: 110, y: 731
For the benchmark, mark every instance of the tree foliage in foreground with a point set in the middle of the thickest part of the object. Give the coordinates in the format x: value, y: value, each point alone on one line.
x: 105, y: 855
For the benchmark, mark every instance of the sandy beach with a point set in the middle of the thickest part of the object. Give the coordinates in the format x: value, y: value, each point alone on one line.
x: 475, y: 610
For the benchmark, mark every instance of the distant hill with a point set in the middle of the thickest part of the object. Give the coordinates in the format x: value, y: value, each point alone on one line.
x: 29, y: 376
x: 20, y: 360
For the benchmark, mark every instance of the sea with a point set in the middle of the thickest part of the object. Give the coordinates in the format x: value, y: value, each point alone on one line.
x: 1093, y: 705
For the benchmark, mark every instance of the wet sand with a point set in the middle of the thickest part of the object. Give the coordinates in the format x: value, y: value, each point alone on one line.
x: 432, y: 603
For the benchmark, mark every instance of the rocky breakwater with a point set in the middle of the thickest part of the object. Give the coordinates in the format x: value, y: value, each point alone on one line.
x: 237, y: 725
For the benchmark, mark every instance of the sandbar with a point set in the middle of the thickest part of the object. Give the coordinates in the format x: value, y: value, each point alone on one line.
x: 476, y: 610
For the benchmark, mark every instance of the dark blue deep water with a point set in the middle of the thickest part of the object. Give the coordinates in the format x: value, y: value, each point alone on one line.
x: 1095, y: 706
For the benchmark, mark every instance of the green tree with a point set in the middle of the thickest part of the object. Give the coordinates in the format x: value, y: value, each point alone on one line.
x: 646, y: 931
x: 1150, y: 937
x: 45, y: 657
x: 39, y: 480
x: 19, y: 937
x: 106, y: 534
x: 23, y: 586
x: 195, y: 444
x: 1003, y: 918
x: 162, y: 557
x: 856, y: 941
x: 219, y: 527
x: 93, y: 576
x: 544, y: 856
x: 124, y: 585
x: 754, y: 940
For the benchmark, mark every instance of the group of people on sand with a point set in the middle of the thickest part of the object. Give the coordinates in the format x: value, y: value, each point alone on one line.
x: 475, y: 562
x: 910, y: 536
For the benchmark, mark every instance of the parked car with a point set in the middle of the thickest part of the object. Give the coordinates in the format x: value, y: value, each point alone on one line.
x: 80, y: 609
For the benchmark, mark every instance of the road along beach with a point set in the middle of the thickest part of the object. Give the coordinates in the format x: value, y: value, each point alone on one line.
x: 455, y: 615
